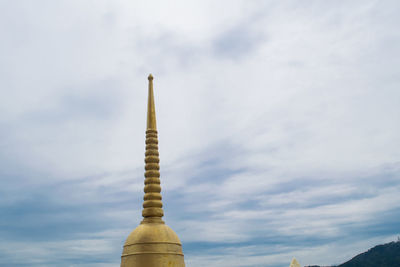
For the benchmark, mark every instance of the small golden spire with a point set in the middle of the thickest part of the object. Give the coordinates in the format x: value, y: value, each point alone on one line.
x: 294, y: 263
x: 152, y: 205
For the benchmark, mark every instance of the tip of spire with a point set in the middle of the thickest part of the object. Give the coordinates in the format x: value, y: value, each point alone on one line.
x: 151, y: 111
x: 150, y: 77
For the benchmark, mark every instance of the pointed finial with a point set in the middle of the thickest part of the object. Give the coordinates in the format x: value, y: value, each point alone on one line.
x: 151, y: 111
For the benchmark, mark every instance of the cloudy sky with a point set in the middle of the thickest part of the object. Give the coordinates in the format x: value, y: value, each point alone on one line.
x: 278, y: 125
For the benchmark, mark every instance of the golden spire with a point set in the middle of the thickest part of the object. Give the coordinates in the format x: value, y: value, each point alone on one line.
x: 152, y: 243
x: 152, y: 205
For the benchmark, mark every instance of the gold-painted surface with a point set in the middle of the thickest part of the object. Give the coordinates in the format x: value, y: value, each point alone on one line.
x: 152, y: 243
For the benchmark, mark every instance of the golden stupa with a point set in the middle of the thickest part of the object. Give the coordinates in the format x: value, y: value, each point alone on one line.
x: 152, y: 243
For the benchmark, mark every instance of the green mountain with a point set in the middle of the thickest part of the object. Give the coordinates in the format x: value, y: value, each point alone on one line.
x: 386, y: 255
